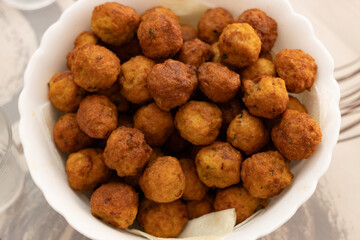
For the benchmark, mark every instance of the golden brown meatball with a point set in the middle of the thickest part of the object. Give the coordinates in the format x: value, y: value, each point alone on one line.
x: 216, y: 51
x: 159, y: 9
x: 217, y: 82
x: 195, y: 52
x: 218, y: 165
x: 162, y: 219
x: 239, y: 45
x: 114, y: 23
x: 195, y: 189
x: 64, y: 94
x: 188, y: 32
x: 261, y: 67
x: 171, y: 83
x: 298, y: 69
x: 198, y: 122
x: 175, y: 143
x: 266, y: 174
x: 126, y: 151
x: 156, y: 124
x: 86, y: 169
x: 247, y: 133
x: 115, y: 203
x: 237, y: 197
x: 297, y: 135
x: 265, y: 26
x: 67, y: 135
x: 199, y: 208
x: 97, y: 116
x: 95, y: 67
x: 160, y: 36
x: 212, y: 24
x: 133, y: 79
x: 163, y: 180
x: 295, y: 104
x: 85, y: 37
x: 265, y: 96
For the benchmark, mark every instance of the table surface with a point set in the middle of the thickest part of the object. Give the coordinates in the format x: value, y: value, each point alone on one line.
x: 331, y: 213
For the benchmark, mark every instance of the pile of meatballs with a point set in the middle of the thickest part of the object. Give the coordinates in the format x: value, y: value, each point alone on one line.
x: 166, y: 123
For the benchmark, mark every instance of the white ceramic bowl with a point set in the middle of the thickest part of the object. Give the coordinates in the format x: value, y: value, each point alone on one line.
x: 46, y: 165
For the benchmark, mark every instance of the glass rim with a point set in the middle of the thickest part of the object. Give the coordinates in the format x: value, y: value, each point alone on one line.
x: 9, y: 142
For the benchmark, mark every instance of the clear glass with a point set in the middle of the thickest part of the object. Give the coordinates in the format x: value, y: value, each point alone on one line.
x: 11, y: 175
x: 28, y: 4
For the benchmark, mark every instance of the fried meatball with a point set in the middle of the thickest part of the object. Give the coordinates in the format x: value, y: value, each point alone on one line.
x: 195, y: 52
x: 265, y: 26
x: 160, y: 36
x: 115, y: 203
x: 297, y: 68
x: 230, y: 110
x: 261, y: 67
x: 156, y: 124
x: 97, y: 116
x: 295, y: 104
x: 63, y: 93
x: 201, y: 207
x: 198, y: 122
x: 133, y: 79
x: 297, y: 135
x: 86, y: 169
x: 171, y: 83
x: 217, y: 82
x: 113, y: 93
x: 175, y: 143
x: 239, y: 45
x: 212, y: 24
x: 216, y: 51
x: 265, y: 96
x: 161, y: 10
x: 85, y: 37
x: 218, y: 165
x: 163, y: 180
x: 126, y: 151
x: 114, y: 23
x: 247, y: 133
x: 95, y: 67
x: 188, y: 32
x: 67, y: 135
x: 266, y: 174
x: 237, y: 197
x: 162, y: 219
x: 195, y: 189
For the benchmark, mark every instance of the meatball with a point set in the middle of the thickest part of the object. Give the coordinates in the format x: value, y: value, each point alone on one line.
x: 156, y: 124
x: 295, y: 104
x: 160, y: 36
x: 85, y: 37
x: 126, y: 151
x: 95, y: 67
x: 113, y: 93
x: 195, y: 189
x: 188, y: 32
x: 216, y: 51
x: 218, y: 165
x: 261, y: 67
x: 265, y: 96
x: 265, y: 26
x: 161, y: 10
x: 239, y: 45
x: 115, y: 203
x: 171, y: 83
x: 230, y: 110
x: 247, y: 133
x: 201, y: 207
x: 195, y: 52
x: 198, y: 122
x: 162, y: 219
x: 64, y: 94
x: 175, y: 143
x: 217, y: 82
x: 163, y: 180
x: 297, y: 68
x: 86, y: 169
x: 97, y: 116
x: 67, y: 135
x: 266, y: 174
x: 212, y: 24
x: 133, y: 79
x: 237, y: 197
x: 297, y: 135
x: 114, y: 23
